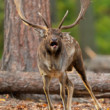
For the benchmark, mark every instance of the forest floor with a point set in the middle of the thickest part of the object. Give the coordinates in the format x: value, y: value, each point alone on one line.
x: 9, y: 103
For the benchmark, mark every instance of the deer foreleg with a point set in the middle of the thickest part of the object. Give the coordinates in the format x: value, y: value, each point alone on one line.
x: 62, y: 91
x: 70, y: 90
x: 46, y: 81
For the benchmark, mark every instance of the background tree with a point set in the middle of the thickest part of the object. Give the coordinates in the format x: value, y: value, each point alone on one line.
x: 53, y: 10
x: 87, y: 32
x: 20, y: 41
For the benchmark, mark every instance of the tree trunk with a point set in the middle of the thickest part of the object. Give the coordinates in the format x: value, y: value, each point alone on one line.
x: 53, y: 11
x: 20, y: 41
x: 100, y: 63
x: 31, y: 82
x: 87, y: 32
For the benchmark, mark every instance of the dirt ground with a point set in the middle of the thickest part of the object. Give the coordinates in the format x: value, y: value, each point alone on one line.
x: 9, y: 103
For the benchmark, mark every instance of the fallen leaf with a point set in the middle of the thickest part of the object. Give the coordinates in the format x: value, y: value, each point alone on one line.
x: 2, y: 100
x: 44, y: 105
x: 21, y: 106
x: 7, y: 96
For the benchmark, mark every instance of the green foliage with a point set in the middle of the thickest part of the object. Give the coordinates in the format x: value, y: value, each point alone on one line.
x: 1, y: 25
x: 102, y: 25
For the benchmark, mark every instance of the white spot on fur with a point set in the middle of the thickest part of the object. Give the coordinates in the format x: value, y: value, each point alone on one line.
x: 47, y: 64
x: 72, y: 51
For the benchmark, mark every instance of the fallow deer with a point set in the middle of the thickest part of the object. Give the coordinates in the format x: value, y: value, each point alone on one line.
x: 57, y: 54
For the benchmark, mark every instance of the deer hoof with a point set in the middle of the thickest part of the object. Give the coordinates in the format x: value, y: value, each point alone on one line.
x: 51, y: 108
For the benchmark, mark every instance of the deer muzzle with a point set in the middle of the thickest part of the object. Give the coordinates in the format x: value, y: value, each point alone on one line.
x: 54, y: 44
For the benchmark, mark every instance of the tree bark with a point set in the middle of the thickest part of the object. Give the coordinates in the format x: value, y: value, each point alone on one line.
x: 100, y: 63
x: 31, y: 82
x: 20, y: 41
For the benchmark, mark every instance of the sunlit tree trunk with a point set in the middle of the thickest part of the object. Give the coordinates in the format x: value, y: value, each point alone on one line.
x: 20, y: 41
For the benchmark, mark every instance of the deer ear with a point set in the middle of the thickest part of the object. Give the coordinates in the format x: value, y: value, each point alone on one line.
x: 40, y: 32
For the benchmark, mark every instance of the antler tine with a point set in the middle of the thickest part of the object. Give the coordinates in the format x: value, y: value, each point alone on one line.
x: 62, y: 21
x: 84, y: 6
x: 19, y: 7
x: 44, y: 20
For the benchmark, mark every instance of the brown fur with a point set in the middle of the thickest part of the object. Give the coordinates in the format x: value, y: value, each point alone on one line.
x: 56, y: 63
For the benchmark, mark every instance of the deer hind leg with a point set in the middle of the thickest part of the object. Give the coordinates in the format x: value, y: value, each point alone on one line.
x: 70, y: 90
x: 78, y: 64
x: 46, y: 82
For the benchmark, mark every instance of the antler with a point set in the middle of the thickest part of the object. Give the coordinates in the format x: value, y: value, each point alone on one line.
x: 84, y: 6
x: 19, y: 7
x: 62, y: 21
x: 44, y: 20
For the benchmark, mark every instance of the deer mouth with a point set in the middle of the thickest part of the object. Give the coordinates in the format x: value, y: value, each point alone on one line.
x: 54, y: 44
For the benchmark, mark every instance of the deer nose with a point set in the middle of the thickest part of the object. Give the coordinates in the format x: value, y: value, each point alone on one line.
x: 54, y: 39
